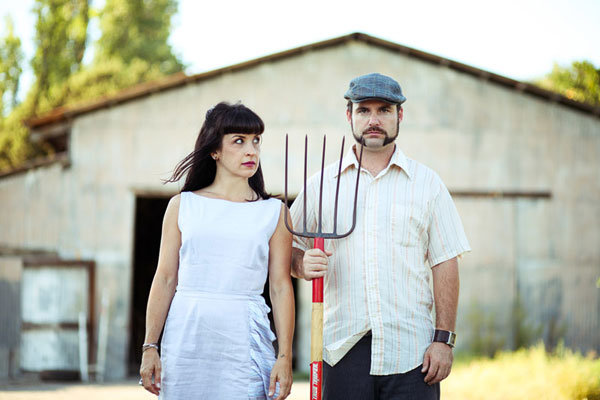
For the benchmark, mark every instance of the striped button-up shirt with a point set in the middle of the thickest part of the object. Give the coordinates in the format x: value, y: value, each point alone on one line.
x: 378, y: 277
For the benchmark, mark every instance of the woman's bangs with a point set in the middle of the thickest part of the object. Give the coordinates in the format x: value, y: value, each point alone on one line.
x: 243, y: 121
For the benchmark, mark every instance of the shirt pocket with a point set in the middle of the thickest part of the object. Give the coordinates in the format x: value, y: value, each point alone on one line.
x: 408, y: 227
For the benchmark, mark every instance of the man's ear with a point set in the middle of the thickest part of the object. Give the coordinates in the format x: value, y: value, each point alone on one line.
x: 349, y: 115
x: 400, y: 113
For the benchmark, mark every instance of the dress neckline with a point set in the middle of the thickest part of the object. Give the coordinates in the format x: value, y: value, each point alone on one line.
x: 225, y: 200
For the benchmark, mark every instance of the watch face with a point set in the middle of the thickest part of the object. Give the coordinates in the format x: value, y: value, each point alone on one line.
x: 452, y: 339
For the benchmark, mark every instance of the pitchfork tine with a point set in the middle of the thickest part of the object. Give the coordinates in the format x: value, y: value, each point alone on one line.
x: 285, y: 185
x: 335, y: 235
x: 304, y: 232
x: 320, y: 220
x: 305, y: 167
x: 337, y: 190
x: 362, y: 146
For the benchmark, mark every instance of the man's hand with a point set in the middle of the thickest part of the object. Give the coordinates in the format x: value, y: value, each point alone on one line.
x: 437, y: 362
x: 314, y: 263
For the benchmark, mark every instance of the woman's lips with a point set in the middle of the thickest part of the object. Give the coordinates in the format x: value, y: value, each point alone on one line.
x: 249, y: 164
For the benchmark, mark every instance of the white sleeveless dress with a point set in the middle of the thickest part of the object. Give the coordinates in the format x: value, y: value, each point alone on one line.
x: 217, y: 342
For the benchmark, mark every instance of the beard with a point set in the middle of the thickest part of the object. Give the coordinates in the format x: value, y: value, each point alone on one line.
x: 374, y: 142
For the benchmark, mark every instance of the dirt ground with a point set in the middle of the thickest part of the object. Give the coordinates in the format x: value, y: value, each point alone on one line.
x: 128, y: 390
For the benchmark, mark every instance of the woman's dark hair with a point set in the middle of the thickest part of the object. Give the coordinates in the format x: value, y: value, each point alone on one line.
x: 199, y: 165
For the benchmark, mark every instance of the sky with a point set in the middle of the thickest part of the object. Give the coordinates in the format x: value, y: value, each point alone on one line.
x: 517, y: 39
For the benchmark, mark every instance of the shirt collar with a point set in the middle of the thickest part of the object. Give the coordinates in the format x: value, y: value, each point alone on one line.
x: 398, y: 159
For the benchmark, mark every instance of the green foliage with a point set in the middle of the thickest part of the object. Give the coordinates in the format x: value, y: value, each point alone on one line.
x: 530, y: 373
x: 580, y: 81
x: 15, y: 146
x: 11, y: 57
x: 138, y: 29
x: 106, y: 78
x: 484, y: 338
x: 524, y: 333
x: 60, y: 40
x: 133, y: 48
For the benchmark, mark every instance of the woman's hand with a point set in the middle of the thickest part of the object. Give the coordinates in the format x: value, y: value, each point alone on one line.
x: 150, y: 368
x: 282, y: 373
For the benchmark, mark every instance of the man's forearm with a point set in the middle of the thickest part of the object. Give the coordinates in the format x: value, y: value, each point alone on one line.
x: 297, y: 256
x: 445, y: 292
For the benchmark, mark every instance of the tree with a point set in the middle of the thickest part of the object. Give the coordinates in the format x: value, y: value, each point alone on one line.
x: 133, y: 48
x: 107, y: 77
x: 138, y: 29
x: 60, y: 39
x: 11, y: 57
x: 580, y: 81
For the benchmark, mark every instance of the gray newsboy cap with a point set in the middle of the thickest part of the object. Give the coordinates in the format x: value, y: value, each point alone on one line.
x: 375, y: 86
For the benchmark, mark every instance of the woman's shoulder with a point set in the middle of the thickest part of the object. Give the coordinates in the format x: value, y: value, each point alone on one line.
x: 274, y: 203
x: 175, y: 200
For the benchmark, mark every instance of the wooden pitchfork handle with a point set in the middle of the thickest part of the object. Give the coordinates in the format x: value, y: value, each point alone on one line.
x: 316, y: 332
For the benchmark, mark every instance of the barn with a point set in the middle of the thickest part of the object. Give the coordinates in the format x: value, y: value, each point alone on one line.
x: 79, y: 231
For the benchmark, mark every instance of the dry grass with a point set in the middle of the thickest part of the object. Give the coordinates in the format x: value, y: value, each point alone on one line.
x: 526, y: 374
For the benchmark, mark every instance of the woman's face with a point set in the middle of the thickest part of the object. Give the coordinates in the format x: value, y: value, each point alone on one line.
x: 239, y: 154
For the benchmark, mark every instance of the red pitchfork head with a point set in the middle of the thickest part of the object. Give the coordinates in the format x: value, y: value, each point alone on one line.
x: 319, y: 233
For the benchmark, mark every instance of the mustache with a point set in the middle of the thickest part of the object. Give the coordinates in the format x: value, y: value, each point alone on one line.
x: 374, y: 129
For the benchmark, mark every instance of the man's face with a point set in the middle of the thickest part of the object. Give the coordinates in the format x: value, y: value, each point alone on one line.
x: 375, y: 121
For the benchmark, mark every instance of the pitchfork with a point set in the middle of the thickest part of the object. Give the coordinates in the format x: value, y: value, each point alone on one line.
x: 316, y: 339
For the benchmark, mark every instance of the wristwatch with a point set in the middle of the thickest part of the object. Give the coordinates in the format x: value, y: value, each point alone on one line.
x: 443, y: 336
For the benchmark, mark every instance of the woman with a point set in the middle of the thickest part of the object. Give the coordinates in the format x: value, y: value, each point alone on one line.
x: 220, y: 237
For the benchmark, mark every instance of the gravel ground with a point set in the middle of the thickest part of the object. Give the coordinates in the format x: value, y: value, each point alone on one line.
x: 128, y: 390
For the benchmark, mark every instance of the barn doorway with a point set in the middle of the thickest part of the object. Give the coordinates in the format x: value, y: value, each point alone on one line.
x: 149, y: 213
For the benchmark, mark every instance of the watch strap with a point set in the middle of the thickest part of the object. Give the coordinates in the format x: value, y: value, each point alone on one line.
x: 444, y: 336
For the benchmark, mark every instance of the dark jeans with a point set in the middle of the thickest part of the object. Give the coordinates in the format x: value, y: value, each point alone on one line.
x: 349, y: 379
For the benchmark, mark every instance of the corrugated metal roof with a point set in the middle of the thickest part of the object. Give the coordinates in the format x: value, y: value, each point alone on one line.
x: 180, y: 79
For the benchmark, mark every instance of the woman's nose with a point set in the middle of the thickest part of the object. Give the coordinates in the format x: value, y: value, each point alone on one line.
x: 251, y: 150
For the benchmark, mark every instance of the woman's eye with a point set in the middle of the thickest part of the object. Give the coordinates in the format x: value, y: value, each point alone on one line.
x: 238, y: 141
x: 257, y: 140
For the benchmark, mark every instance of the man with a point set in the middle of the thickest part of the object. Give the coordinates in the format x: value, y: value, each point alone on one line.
x: 379, y: 337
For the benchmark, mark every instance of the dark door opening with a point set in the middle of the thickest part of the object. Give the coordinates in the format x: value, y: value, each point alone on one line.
x: 149, y: 213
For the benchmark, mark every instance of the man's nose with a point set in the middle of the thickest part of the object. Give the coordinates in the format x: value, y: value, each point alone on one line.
x: 374, y: 120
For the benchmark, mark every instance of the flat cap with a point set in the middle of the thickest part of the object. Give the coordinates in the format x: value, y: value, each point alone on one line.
x: 375, y: 87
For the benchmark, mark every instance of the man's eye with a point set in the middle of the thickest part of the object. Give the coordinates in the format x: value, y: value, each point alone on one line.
x: 361, y: 111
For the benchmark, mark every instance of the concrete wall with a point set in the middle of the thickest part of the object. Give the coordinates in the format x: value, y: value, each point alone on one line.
x: 476, y: 135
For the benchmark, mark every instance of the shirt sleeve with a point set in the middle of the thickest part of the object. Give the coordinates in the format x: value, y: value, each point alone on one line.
x: 447, y: 237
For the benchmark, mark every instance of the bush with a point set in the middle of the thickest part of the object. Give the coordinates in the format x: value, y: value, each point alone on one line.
x: 526, y: 374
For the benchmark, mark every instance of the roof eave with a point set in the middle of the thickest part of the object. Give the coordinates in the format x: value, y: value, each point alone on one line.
x: 180, y: 79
